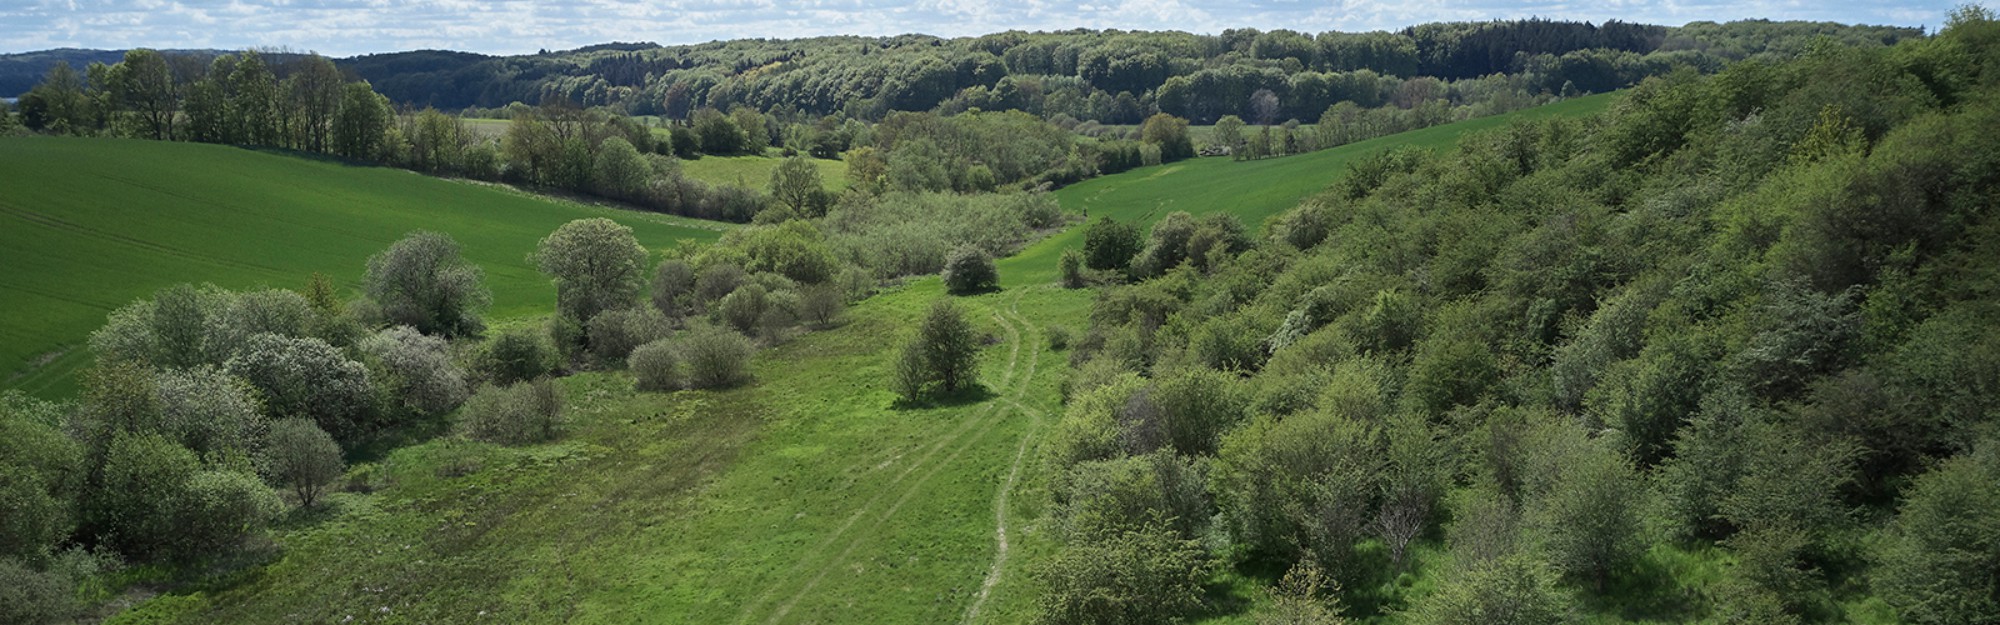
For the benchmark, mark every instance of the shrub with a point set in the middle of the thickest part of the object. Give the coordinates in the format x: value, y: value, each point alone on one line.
x: 714, y: 357
x: 527, y: 412
x: 742, y: 308
x: 1059, y: 338
x: 821, y: 305
x: 217, y: 508
x: 718, y: 280
x: 210, y: 412
x: 31, y: 597
x: 674, y: 288
x: 940, y: 358
x: 655, y: 366
x: 597, y: 266
x: 1138, y: 577
x: 308, y: 378
x: 1071, y: 266
x: 421, y: 281
x: 518, y: 354
x: 1511, y: 591
x: 300, y: 456
x: 615, y: 333
x: 1109, y: 245
x: 1941, y: 561
x: 134, y: 506
x: 416, y: 371
x: 969, y: 270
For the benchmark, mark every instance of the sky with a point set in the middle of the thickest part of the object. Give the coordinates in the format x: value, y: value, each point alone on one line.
x: 350, y: 27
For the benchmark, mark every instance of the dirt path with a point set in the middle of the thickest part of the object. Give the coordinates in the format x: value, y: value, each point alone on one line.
x: 1000, y: 546
x: 981, y: 421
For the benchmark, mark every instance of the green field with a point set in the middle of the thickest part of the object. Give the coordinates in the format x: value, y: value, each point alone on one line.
x: 808, y: 496
x: 755, y: 171
x: 1251, y: 190
x: 88, y: 225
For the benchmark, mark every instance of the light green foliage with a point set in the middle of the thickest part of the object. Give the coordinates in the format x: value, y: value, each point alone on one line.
x: 1510, y: 591
x: 217, y: 508
x: 794, y: 249
x: 307, y: 378
x: 422, y: 282
x: 743, y: 307
x: 1071, y: 266
x: 1170, y: 133
x: 1107, y: 497
x: 906, y: 234
x: 1148, y: 575
x: 527, y: 412
x: 1301, y: 487
x: 597, y: 266
x: 939, y: 359
x: 1228, y: 132
x: 135, y: 505
x: 714, y: 357
x: 41, y: 471
x: 620, y: 171
x: 416, y: 371
x: 364, y: 120
x: 214, y: 414
x: 1193, y: 408
x: 796, y: 184
x: 970, y: 271
x: 656, y: 367
x: 300, y: 456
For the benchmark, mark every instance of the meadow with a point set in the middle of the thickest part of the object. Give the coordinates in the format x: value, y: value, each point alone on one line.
x: 750, y: 171
x: 88, y: 225
x: 809, y: 495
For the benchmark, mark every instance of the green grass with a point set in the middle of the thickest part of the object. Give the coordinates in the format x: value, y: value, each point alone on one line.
x: 755, y: 171
x: 88, y: 225
x: 1251, y: 190
x: 806, y: 496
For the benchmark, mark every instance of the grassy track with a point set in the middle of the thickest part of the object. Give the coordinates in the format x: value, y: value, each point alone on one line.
x: 87, y: 225
x: 806, y: 497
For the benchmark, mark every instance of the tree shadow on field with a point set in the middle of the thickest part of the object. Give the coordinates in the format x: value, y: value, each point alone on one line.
x: 976, y: 393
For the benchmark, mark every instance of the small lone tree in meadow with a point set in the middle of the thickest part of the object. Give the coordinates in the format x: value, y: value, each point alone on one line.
x: 300, y: 456
x: 970, y: 271
x: 941, y: 359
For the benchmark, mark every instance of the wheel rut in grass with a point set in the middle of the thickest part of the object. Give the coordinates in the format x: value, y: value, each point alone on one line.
x: 1000, y: 545
x: 979, y: 424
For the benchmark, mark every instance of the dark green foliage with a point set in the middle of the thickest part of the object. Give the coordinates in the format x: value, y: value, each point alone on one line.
x: 31, y: 597
x: 1071, y: 268
x: 970, y: 271
x: 615, y: 333
x: 941, y: 358
x: 1108, y: 497
x: 523, y: 413
x: 1303, y: 487
x: 41, y: 472
x: 300, y: 456
x: 673, y: 289
x: 742, y: 308
x: 1109, y: 245
x: 517, y: 354
x: 1149, y: 575
x: 1940, y: 563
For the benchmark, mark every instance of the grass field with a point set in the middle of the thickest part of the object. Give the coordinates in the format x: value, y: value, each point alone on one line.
x: 1251, y: 190
x: 808, y: 496
x: 88, y: 225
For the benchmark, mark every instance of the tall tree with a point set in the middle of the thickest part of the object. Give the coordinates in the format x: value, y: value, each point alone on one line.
x: 363, y: 120
x: 597, y: 265
x: 315, y: 92
x: 254, y: 101
x: 146, y: 86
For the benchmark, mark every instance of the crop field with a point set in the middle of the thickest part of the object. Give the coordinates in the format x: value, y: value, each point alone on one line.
x: 87, y: 226
x: 808, y: 496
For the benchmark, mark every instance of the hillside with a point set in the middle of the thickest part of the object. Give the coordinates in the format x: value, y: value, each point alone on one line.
x: 1251, y: 191
x: 87, y: 225
x: 807, y: 496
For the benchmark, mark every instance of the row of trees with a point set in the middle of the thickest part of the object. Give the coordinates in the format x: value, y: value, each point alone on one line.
x: 1546, y: 371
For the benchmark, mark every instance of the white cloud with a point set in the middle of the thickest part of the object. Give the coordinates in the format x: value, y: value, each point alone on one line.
x: 344, y: 27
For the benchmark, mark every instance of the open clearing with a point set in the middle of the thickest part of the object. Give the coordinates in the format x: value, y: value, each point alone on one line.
x: 808, y: 496
x: 88, y: 225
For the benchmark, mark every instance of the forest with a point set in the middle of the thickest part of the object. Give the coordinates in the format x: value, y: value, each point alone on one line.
x: 1727, y: 352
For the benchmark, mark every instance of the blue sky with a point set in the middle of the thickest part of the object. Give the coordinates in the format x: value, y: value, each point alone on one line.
x: 347, y: 27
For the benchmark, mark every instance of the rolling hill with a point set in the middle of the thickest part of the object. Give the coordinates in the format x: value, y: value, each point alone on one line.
x: 809, y: 495
x: 87, y: 225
